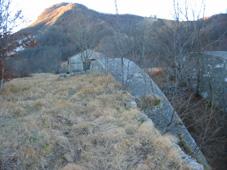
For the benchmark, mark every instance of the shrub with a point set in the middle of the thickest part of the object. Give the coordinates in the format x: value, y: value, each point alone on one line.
x: 148, y: 102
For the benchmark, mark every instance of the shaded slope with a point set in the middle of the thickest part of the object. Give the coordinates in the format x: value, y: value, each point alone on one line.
x: 215, y: 32
x: 57, y: 30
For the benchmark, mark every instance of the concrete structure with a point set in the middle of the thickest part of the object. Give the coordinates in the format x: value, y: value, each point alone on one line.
x: 213, y: 77
x: 76, y: 61
x: 139, y: 84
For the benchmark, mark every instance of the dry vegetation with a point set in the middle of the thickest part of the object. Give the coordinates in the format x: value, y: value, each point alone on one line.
x: 78, y: 123
x: 51, y: 15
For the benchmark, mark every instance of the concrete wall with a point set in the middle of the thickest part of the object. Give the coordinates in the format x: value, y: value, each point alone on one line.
x: 139, y: 84
x: 213, y: 77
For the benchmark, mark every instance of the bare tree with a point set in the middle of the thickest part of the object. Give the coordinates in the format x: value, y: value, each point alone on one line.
x: 178, y: 42
x: 8, y: 20
x: 186, y: 37
x: 182, y: 42
x: 86, y: 40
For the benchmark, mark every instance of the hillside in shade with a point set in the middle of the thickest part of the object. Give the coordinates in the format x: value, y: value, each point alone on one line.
x: 61, y: 29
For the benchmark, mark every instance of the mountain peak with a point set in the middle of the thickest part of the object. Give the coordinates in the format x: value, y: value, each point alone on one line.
x: 51, y: 15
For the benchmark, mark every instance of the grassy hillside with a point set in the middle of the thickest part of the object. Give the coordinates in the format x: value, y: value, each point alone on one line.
x: 76, y: 123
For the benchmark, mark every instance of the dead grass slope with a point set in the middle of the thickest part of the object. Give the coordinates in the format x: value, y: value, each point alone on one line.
x: 78, y: 123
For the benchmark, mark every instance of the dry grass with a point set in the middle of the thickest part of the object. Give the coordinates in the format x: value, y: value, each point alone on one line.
x: 78, y: 123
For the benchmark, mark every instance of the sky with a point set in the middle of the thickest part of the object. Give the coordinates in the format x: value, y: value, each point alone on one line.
x: 161, y: 8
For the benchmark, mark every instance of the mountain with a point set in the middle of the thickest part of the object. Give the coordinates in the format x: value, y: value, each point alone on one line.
x: 57, y: 31
x: 215, y: 31
x: 68, y: 28
x: 71, y: 13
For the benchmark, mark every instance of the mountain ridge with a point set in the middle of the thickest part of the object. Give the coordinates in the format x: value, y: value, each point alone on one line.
x: 57, y: 29
x: 58, y: 10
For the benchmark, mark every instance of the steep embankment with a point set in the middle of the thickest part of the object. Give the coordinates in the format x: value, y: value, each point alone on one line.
x: 82, y: 122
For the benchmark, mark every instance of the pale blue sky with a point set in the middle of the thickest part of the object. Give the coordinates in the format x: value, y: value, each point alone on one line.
x: 160, y: 8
